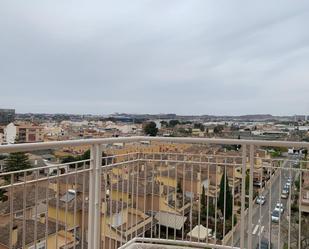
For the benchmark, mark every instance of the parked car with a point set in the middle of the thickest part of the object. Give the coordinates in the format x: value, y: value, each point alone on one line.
x: 259, y: 183
x: 275, y: 216
x: 296, y: 164
x: 287, y: 187
x: 279, y: 207
x: 285, y: 193
x: 260, y: 200
x: 264, y: 244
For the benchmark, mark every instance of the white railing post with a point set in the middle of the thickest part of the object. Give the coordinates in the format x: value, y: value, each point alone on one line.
x: 94, y: 215
x: 243, y: 196
x: 251, y: 161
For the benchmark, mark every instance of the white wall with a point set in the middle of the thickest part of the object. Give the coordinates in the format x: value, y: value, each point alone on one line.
x: 10, y: 132
x: 1, y: 138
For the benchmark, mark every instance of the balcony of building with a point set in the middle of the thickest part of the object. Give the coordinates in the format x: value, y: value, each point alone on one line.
x: 166, y: 193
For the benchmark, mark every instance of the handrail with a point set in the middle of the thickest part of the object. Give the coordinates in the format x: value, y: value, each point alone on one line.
x: 51, y: 145
x: 228, y: 141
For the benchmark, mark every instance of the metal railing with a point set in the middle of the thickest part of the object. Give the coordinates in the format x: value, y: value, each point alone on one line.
x: 212, y: 197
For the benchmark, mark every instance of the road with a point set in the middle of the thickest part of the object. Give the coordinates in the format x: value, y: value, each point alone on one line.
x: 261, y: 220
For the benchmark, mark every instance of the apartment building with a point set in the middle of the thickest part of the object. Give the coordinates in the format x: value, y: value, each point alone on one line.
x: 25, y: 133
x: 52, y: 237
x: 7, y: 116
x: 30, y: 133
x: 33, y: 205
x: 119, y: 222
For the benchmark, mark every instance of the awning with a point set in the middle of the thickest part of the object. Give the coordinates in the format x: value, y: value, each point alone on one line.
x: 170, y: 220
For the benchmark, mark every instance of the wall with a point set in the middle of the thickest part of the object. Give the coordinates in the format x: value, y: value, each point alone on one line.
x: 10, y: 133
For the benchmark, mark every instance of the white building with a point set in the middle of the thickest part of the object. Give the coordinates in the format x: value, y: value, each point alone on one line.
x: 1, y: 138
x: 10, y: 133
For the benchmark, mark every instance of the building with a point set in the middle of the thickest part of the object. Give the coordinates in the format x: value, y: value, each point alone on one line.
x: 119, y: 222
x: 138, y: 201
x: 30, y: 133
x: 7, y: 116
x: 34, y: 203
x: 25, y: 133
x: 23, y: 238
x: 10, y: 133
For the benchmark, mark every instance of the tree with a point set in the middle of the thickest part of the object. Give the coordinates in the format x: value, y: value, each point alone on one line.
x: 151, y: 129
x: 225, y: 191
x: 2, y: 157
x: 17, y: 161
x: 297, y: 183
x: 68, y: 159
x: 203, y: 210
x: 247, y: 183
x: 2, y: 196
x: 206, y: 205
x: 85, y: 156
x: 173, y: 122
x: 199, y: 126
x: 218, y: 129
x: 71, y: 159
x: 164, y: 123
x: 203, y: 197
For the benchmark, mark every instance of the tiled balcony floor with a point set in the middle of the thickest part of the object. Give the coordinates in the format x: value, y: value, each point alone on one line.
x: 148, y: 246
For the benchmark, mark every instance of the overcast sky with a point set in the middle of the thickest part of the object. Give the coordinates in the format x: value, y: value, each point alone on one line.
x: 155, y: 56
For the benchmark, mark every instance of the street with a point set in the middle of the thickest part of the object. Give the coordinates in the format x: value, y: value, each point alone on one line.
x: 262, y: 226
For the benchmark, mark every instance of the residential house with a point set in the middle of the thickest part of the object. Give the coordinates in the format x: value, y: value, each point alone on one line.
x: 146, y: 194
x: 31, y: 234
x: 28, y: 202
x: 25, y: 133
x: 118, y: 221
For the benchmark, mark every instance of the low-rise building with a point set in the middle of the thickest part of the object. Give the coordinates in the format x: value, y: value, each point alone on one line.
x: 45, y: 237
x: 24, y: 133
x: 7, y: 116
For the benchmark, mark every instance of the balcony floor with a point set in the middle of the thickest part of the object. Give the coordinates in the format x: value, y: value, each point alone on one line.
x: 149, y: 246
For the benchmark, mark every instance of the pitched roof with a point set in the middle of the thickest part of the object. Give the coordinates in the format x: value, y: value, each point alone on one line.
x: 80, y: 180
x: 112, y: 206
x: 29, y: 236
x: 144, y: 186
x: 18, y: 200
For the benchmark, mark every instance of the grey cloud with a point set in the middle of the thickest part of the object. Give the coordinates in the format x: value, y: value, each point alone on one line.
x: 199, y: 56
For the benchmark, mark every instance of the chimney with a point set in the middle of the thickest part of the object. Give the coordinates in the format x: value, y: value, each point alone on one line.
x: 14, y: 235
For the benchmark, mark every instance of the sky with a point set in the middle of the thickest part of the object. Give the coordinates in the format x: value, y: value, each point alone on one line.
x: 155, y: 56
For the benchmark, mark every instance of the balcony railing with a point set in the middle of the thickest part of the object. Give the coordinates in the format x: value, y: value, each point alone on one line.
x: 168, y: 193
